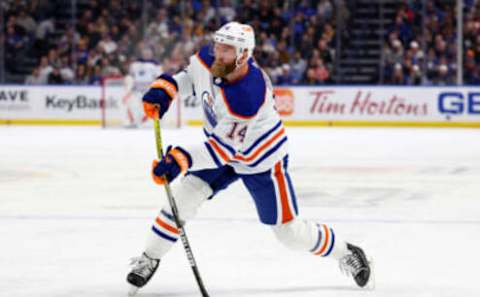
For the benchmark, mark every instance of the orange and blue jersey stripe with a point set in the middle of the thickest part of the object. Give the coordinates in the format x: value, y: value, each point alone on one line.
x: 224, y: 148
x: 262, y: 138
x: 325, y: 242
x: 213, y: 154
x: 220, y: 152
x: 266, y: 145
x: 165, y: 227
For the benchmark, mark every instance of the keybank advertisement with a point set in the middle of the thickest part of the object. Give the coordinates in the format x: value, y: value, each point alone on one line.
x: 52, y: 102
x: 443, y: 106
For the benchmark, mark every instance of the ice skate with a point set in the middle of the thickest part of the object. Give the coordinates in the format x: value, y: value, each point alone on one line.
x: 356, y: 264
x: 143, y: 269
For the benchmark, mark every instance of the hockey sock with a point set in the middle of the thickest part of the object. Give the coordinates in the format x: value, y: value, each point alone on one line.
x: 163, y: 235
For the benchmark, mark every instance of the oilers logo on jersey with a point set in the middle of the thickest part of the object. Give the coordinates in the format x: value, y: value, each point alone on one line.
x: 208, y: 108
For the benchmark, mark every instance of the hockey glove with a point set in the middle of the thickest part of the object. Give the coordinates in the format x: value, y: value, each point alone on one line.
x: 176, y: 161
x: 158, y: 98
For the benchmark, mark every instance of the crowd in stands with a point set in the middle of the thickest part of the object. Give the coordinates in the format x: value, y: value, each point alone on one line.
x: 471, y: 43
x: 424, y: 51
x: 295, y: 45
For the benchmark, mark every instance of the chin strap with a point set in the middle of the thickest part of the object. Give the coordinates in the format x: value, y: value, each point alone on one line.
x: 237, y: 64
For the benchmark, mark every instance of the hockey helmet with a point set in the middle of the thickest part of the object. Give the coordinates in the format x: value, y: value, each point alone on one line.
x: 238, y: 35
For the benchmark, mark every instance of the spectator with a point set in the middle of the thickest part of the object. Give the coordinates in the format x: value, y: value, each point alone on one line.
x: 415, y: 52
x: 69, y: 39
x: 158, y: 29
x: 14, y: 40
x: 26, y: 22
x: 55, y: 78
x: 43, y: 32
x: 82, y: 51
x: 298, y: 67
x: 325, y: 53
x: 109, y: 67
x: 81, y: 76
x: 285, y: 78
x: 283, y: 53
x: 66, y: 70
x: 317, y: 73
x: 96, y: 76
x: 414, y: 77
x: 442, y: 76
x: 93, y: 35
x: 45, y: 68
x: 472, y: 43
x: 325, y: 10
x: 398, y: 78
x: 226, y: 11
x: 35, y: 78
x: 107, y: 45
x: 52, y: 56
x: 84, y: 22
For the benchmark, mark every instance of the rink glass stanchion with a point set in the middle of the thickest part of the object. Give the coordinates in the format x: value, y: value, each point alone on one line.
x: 173, y: 206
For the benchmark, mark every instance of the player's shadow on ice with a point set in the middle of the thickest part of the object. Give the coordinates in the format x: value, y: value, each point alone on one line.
x: 297, y: 291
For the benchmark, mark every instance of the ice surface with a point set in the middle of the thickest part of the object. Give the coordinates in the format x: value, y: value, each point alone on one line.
x: 77, y: 202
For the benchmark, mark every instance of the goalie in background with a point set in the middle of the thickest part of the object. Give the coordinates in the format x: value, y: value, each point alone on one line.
x: 140, y: 75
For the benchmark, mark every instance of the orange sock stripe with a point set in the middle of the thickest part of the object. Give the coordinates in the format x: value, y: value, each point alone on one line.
x: 286, y: 212
x: 167, y: 226
x: 327, y: 239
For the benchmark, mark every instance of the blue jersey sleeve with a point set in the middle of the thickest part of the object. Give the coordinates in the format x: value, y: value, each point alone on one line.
x: 205, y: 56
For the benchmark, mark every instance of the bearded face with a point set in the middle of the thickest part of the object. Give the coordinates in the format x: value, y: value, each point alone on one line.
x: 220, y: 69
x: 225, y: 56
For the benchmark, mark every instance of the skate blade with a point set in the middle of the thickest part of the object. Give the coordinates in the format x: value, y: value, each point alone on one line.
x: 133, y: 291
x: 371, y: 282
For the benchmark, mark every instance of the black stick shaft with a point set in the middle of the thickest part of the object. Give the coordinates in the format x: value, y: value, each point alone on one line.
x: 181, y: 229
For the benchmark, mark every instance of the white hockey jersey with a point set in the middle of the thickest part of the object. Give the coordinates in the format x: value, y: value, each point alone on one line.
x: 143, y: 73
x: 242, y: 127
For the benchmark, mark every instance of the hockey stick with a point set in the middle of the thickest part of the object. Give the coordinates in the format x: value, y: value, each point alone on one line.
x: 173, y: 206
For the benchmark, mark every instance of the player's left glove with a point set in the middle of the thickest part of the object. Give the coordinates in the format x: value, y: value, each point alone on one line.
x: 157, y: 99
x: 176, y: 161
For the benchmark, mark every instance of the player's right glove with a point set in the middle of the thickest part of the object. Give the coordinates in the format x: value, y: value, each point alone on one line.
x: 158, y: 98
x: 176, y: 161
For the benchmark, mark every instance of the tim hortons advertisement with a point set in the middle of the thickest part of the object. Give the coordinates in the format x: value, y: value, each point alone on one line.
x: 442, y: 106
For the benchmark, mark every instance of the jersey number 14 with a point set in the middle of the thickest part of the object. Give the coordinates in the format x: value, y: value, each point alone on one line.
x: 238, y: 131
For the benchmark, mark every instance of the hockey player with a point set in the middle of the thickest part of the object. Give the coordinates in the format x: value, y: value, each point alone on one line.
x: 244, y: 140
x: 141, y: 73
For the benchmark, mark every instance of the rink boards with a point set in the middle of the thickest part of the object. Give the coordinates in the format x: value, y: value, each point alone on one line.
x: 298, y: 106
